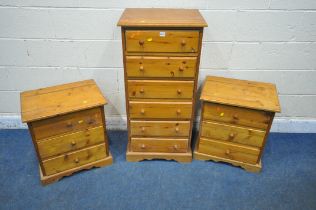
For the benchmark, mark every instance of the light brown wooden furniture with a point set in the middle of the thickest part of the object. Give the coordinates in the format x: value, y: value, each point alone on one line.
x: 161, y: 50
x: 67, y: 126
x: 235, y: 121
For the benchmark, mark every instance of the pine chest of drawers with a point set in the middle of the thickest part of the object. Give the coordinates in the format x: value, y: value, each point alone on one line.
x: 67, y: 126
x: 161, y: 50
x: 235, y: 121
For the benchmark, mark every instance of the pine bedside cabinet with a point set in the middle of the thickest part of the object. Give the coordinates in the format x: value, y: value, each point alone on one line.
x: 235, y: 121
x: 161, y: 54
x: 67, y: 126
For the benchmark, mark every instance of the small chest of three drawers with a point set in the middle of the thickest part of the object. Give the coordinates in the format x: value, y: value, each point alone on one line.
x: 67, y: 125
x: 161, y: 49
x: 235, y: 121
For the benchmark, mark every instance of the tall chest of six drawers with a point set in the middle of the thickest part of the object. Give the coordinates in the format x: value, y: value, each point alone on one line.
x: 161, y: 50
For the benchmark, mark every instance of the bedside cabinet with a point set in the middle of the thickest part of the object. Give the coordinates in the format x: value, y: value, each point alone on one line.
x: 161, y: 55
x: 236, y: 118
x: 67, y: 126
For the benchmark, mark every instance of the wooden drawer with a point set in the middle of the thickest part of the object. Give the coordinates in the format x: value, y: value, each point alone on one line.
x: 230, y: 133
x: 168, y: 67
x: 159, y: 128
x: 69, y: 142
x: 227, y: 150
x: 162, y: 41
x: 159, y: 145
x: 160, y: 110
x: 74, y: 159
x: 236, y: 115
x: 68, y: 123
x: 160, y: 89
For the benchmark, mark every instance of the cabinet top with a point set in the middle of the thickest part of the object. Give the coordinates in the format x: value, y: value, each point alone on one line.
x: 61, y: 99
x: 242, y: 93
x: 153, y: 17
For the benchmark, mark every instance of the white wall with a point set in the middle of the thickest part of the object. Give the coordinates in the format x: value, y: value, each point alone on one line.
x: 44, y: 43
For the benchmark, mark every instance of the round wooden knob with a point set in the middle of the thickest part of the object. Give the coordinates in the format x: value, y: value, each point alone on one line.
x: 235, y: 116
x: 143, y: 129
x: 177, y: 129
x: 231, y: 135
x: 73, y: 143
x: 141, y: 42
x: 183, y: 43
x: 69, y: 125
x: 142, y: 90
x: 178, y: 111
x: 179, y: 91
x: 175, y: 147
x: 141, y: 68
x: 143, y: 146
x: 77, y: 160
x: 142, y: 111
x: 181, y: 68
x: 227, y: 152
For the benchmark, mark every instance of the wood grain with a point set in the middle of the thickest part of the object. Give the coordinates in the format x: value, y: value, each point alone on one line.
x: 235, y: 134
x: 152, y: 17
x: 70, y: 142
x: 249, y: 94
x: 152, y: 41
x: 160, y: 89
x: 229, y: 150
x: 161, y: 67
x: 52, y: 101
x: 67, y: 123
x: 160, y: 128
x: 159, y: 145
x: 236, y: 115
x: 160, y: 110
x: 74, y: 159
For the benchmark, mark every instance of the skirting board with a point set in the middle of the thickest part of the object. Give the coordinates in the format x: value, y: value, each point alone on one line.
x: 280, y: 125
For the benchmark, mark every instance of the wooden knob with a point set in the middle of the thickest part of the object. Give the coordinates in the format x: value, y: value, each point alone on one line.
x: 69, y: 125
x: 235, y: 116
x: 141, y: 42
x: 177, y: 129
x: 175, y: 147
x: 77, y: 160
x: 143, y: 146
x: 91, y: 121
x: 179, y: 91
x: 231, y: 135
x: 178, y: 111
x: 183, y: 43
x: 73, y: 143
x: 143, y: 129
x: 227, y: 152
x: 181, y: 68
x: 141, y: 68
x: 142, y: 111
x: 142, y: 90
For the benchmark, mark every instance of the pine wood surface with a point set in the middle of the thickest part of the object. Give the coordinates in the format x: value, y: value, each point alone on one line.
x: 235, y: 134
x: 162, y: 41
x: 159, y: 145
x: 152, y: 17
x: 167, y: 67
x: 61, y: 144
x: 56, y: 100
x: 249, y: 94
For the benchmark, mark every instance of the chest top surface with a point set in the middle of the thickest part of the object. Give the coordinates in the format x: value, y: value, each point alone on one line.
x: 61, y: 99
x: 242, y: 93
x: 153, y: 17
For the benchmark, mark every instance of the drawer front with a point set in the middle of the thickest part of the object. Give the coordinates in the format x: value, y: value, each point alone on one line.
x: 168, y: 67
x: 68, y: 123
x: 230, y: 133
x: 185, y: 41
x: 70, y: 142
x: 236, y: 115
x: 160, y: 89
x: 160, y: 110
x: 159, y: 145
x: 74, y: 159
x: 229, y: 151
x: 159, y: 128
